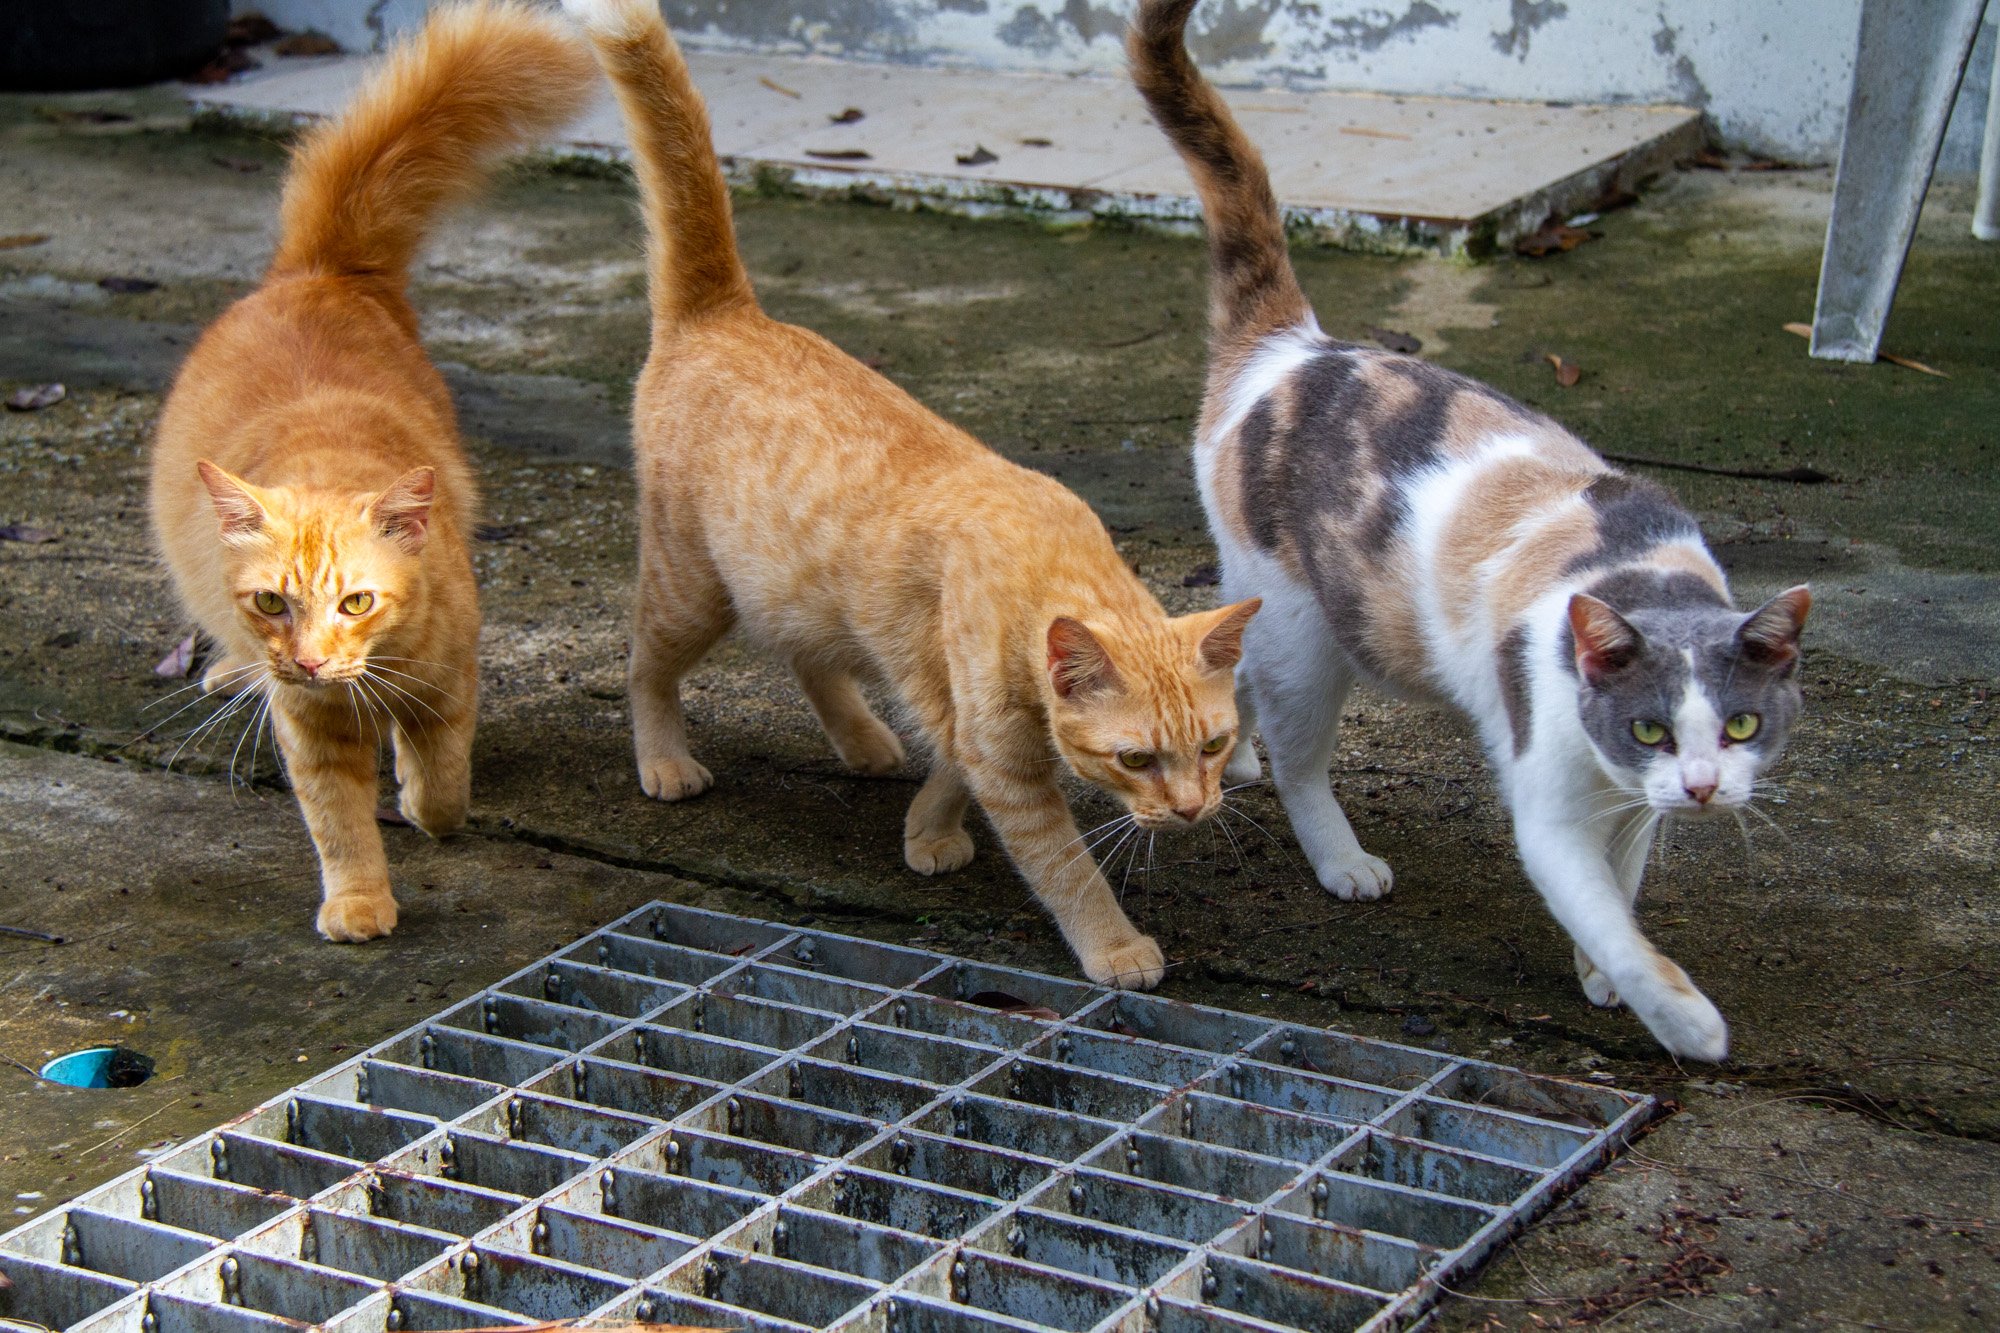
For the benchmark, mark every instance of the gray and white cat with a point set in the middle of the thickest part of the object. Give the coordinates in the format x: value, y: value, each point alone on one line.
x: 1416, y: 529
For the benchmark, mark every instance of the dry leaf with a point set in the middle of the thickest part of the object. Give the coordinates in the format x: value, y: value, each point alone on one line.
x: 21, y: 532
x: 23, y: 241
x: 978, y: 157
x: 777, y: 87
x: 389, y: 814
x: 128, y: 286
x: 308, y: 44
x: 1201, y: 576
x: 228, y: 63
x: 242, y: 164
x: 1552, y: 239
x: 848, y: 116
x: 176, y: 664
x: 1012, y: 1004
x: 250, y: 29
x: 1567, y: 372
x: 1407, y: 343
x: 1710, y: 160
x: 1908, y: 363
x: 1362, y: 132
x: 1803, y: 330
x: 36, y: 397
x: 840, y: 154
x: 1037, y: 141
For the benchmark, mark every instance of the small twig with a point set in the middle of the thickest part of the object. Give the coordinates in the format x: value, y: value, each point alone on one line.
x: 23, y: 933
x: 1135, y: 341
x: 134, y: 1125
x: 1802, y: 476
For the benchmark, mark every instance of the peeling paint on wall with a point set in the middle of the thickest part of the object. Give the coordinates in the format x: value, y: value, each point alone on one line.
x: 1372, y: 29
x: 1527, y: 16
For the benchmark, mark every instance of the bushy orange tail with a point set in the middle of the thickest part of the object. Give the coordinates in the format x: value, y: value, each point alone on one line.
x: 1252, y: 289
x: 695, y: 267
x: 479, y: 79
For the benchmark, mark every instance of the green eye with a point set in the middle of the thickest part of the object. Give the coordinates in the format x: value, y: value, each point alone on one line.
x: 357, y: 603
x: 1742, y: 726
x: 1215, y: 745
x: 1135, y: 759
x: 270, y: 603
x: 1648, y: 732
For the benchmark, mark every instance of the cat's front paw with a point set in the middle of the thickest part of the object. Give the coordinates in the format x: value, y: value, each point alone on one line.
x: 1135, y: 964
x: 350, y: 918
x: 874, y: 751
x: 673, y: 779
x: 1693, y: 1029
x: 935, y: 856
x: 1597, y: 987
x: 1362, y: 880
x: 437, y: 816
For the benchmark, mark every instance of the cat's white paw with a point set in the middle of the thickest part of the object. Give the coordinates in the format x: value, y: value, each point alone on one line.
x: 1361, y: 880
x: 1692, y: 1028
x: 673, y: 779
x: 935, y: 856
x: 1243, y: 766
x: 1134, y: 964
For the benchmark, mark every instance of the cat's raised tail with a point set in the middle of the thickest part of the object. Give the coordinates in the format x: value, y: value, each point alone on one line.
x: 480, y: 79
x: 691, y: 241
x: 1252, y: 289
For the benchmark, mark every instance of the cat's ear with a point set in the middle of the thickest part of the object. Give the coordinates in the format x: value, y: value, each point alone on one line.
x: 1221, y: 646
x: 1770, y: 634
x: 1078, y: 663
x: 1605, y: 640
x: 241, y: 513
x: 403, y: 512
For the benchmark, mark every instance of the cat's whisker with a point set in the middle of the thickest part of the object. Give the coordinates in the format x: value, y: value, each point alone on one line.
x: 1235, y: 847
x: 1086, y: 849
x: 196, y: 702
x: 208, y: 725
x: 374, y: 666
x: 375, y: 703
x: 202, y: 684
x: 256, y: 714
x: 1237, y: 810
x: 405, y: 693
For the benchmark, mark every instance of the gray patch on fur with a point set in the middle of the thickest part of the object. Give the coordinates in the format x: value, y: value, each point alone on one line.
x: 1514, y: 686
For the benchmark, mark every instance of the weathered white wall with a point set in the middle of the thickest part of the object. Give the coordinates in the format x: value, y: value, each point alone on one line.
x: 1773, y: 75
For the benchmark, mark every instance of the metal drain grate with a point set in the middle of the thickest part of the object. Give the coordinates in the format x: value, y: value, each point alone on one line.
x: 702, y: 1119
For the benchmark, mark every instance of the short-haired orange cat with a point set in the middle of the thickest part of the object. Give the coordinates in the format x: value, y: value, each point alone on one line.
x: 788, y: 488
x: 309, y: 490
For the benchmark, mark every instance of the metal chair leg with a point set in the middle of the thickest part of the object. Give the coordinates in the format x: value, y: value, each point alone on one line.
x: 1907, y: 67
x: 1986, y: 217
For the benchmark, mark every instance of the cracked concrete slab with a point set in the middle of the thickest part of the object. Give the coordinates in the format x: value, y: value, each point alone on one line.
x: 1850, y: 944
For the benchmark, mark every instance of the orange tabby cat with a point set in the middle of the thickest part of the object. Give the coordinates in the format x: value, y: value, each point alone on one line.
x: 309, y: 490
x: 786, y: 487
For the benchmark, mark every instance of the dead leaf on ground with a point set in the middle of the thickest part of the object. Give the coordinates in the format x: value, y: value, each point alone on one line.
x: 1710, y: 160
x: 308, y: 44
x: 177, y: 663
x: 389, y: 814
x: 228, y: 63
x: 1555, y: 238
x: 1567, y: 372
x: 36, y: 397
x: 22, y: 241
x: 21, y: 532
x: 242, y: 164
x: 1201, y: 576
x: 1407, y: 343
x: 1803, y: 330
x: 249, y: 30
x: 1037, y: 141
x: 1363, y: 132
x: 978, y: 157
x: 777, y: 87
x: 128, y: 286
x: 847, y: 116
x: 840, y: 154
x: 1012, y: 1004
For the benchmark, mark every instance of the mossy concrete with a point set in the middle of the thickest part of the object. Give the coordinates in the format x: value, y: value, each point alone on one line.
x: 1841, y: 1168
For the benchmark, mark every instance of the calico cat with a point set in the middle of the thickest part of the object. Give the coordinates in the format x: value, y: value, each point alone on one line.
x: 309, y: 491
x: 1410, y: 527
x: 788, y: 488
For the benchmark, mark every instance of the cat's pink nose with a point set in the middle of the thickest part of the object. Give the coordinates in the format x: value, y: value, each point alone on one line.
x: 1190, y: 813
x: 310, y: 665
x: 1701, y: 792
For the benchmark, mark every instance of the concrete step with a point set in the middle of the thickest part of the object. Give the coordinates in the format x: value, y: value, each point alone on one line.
x: 1451, y: 175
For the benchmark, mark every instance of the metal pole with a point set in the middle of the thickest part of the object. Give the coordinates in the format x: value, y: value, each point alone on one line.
x: 1986, y: 217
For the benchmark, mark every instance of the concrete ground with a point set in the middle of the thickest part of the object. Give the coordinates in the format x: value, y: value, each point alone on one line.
x: 1841, y: 1171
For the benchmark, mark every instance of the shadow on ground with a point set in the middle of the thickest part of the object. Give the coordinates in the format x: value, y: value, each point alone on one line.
x: 1841, y: 1170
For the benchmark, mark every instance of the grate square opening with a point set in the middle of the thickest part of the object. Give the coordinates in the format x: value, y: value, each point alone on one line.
x: 680, y: 1051
x: 1077, y: 1091
x: 536, y: 1022
x: 1202, y: 1167
x: 638, y: 956
x: 673, y: 1203
x: 806, y: 990
x: 598, y: 989
x: 588, y: 1131
x: 1108, y: 1253
x: 1349, y: 1201
x: 360, y: 1245
x: 1021, y: 1128
x: 962, y: 1021
x: 1293, y: 1300
x: 209, y: 1207
x: 1175, y: 1023
x: 120, y: 1247
x: 587, y: 1241
x: 856, y: 1091
x: 1355, y: 1059
x: 1358, y: 1258
x: 897, y: 1203
x: 823, y: 1240
x: 1258, y: 1129
x: 633, y: 1089
x: 1501, y: 1134
x: 1016, y: 1289
x: 394, y: 1087
x: 1122, y: 1057
x: 781, y: 1027
x: 422, y: 1201
x: 470, y: 1055
x: 787, y: 1124
x: 1158, y: 1209
x: 739, y: 1164
x: 907, y: 1054
x: 807, y: 1296
x: 414, y: 1311
x: 544, y: 1289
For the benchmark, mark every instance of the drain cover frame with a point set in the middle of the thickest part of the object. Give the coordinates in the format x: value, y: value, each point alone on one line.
x: 691, y: 1117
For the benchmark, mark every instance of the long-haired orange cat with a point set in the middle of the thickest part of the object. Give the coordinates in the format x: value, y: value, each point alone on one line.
x: 309, y: 490
x: 787, y: 488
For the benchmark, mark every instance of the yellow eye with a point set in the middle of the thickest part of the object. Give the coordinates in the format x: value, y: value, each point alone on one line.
x: 357, y: 603
x: 1215, y: 745
x: 1742, y: 726
x: 270, y: 603
x: 1135, y: 759
x: 1648, y: 732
